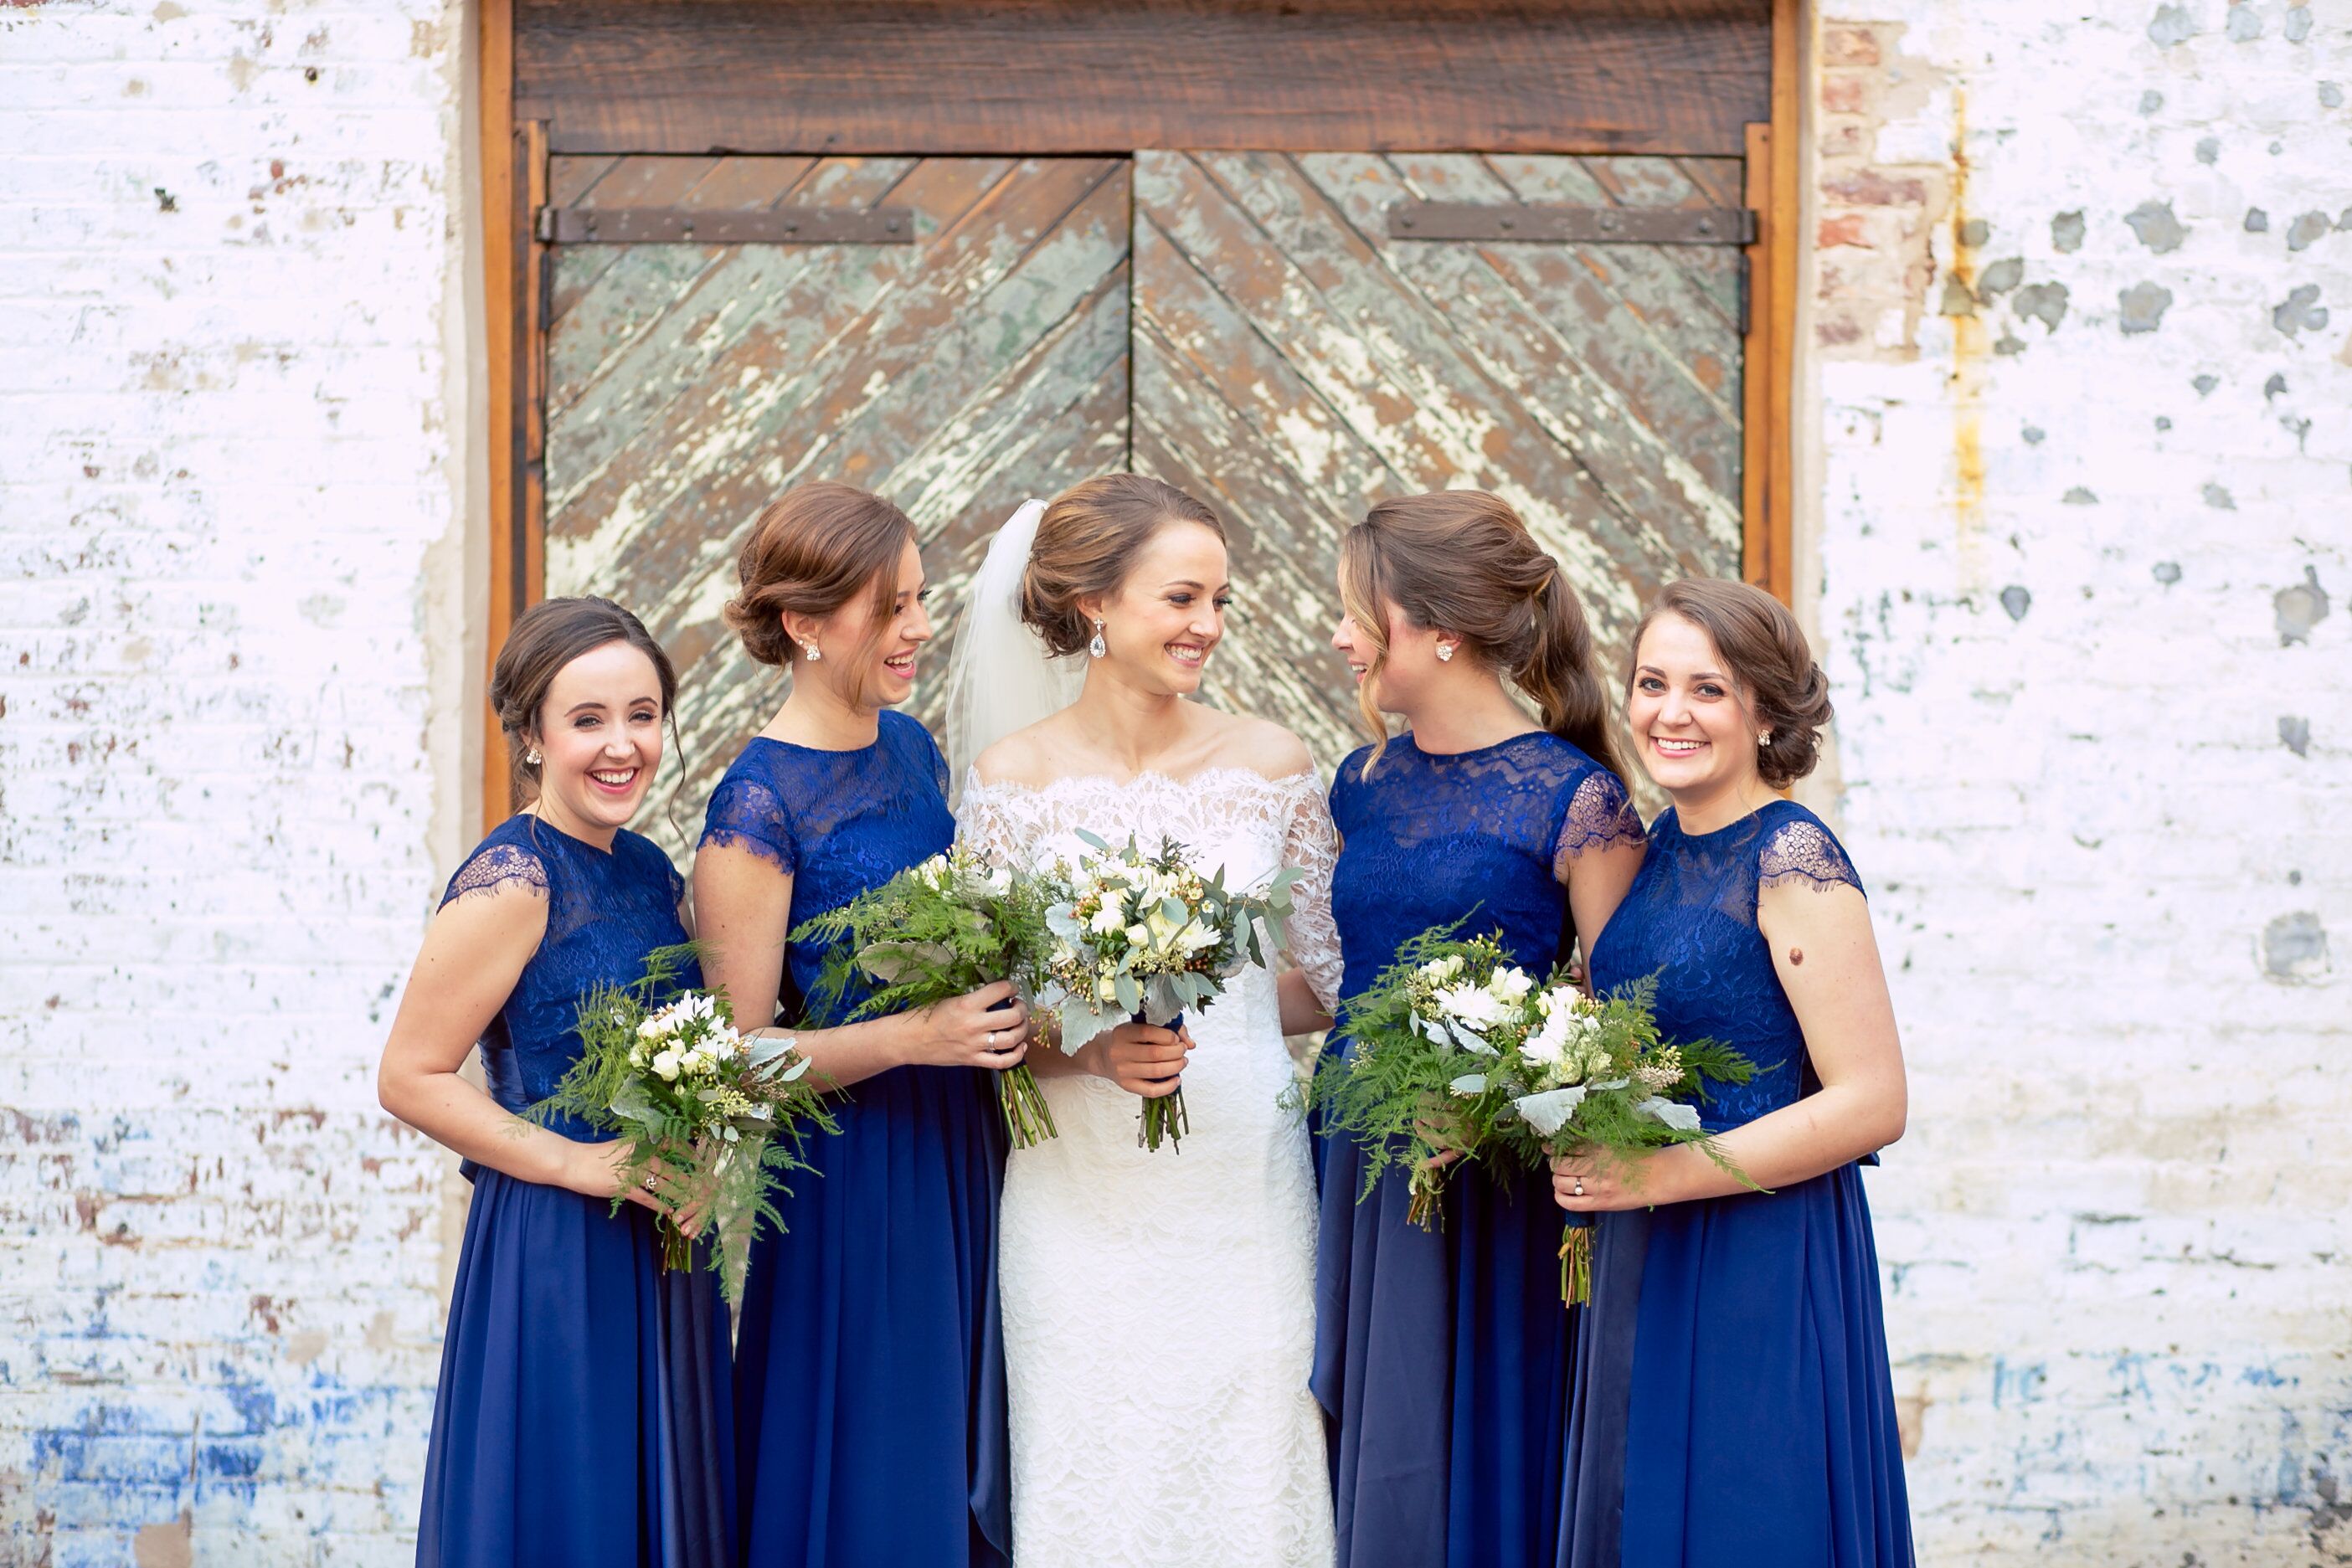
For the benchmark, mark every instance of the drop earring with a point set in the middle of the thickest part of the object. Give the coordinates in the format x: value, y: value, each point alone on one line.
x: 1098, y: 648
x: 531, y: 757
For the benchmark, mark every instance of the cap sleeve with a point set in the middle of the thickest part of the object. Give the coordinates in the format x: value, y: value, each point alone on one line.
x: 1311, y: 844
x: 746, y: 814
x: 1599, y: 814
x: 498, y: 864
x: 1803, y: 848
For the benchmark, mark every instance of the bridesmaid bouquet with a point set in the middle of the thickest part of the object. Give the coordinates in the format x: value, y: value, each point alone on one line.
x: 666, y: 1072
x: 1145, y: 937
x: 939, y: 930
x: 1595, y: 1078
x: 1419, y: 1080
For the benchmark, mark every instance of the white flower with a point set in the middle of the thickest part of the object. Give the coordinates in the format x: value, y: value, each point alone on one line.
x: 665, y: 1063
x: 636, y: 1056
x: 1511, y: 985
x: 652, y: 1027
x: 1106, y: 990
x: 1442, y: 969
x: 1549, y: 1044
x: 1473, y: 1005
x: 1139, y: 937
x: 1107, y: 919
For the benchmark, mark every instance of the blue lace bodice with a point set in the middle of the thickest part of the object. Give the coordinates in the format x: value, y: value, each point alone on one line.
x: 606, y: 911
x: 1425, y: 839
x: 1690, y: 919
x: 839, y: 822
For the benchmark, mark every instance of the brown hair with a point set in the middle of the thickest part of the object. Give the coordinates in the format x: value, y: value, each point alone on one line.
x: 1088, y: 541
x: 546, y: 637
x: 1779, y: 683
x: 1462, y: 561
x: 811, y: 552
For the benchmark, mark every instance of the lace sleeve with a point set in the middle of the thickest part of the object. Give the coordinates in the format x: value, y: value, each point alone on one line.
x: 494, y: 866
x: 1599, y: 814
x: 1805, y: 848
x: 1311, y: 844
x: 983, y: 823
x: 745, y: 814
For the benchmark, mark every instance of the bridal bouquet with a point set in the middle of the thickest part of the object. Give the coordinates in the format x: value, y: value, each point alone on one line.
x: 1145, y: 937
x: 1418, y: 1080
x: 1455, y: 1047
x: 1593, y: 1077
x: 936, y: 931
x: 665, y: 1070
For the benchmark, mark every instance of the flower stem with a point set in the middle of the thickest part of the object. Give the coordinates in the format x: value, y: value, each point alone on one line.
x: 1576, y: 1263
x: 1028, y: 1119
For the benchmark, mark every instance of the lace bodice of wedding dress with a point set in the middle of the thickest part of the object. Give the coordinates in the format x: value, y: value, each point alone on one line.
x: 1158, y: 1308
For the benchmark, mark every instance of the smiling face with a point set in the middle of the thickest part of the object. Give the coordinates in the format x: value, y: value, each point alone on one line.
x: 1168, y: 612
x: 600, y: 740
x: 867, y: 664
x: 1410, y: 667
x: 1689, y: 723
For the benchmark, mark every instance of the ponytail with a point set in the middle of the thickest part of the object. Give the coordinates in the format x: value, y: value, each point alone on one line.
x: 1560, y: 675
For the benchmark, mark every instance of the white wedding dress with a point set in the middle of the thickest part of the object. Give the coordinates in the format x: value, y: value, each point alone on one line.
x: 1158, y: 1308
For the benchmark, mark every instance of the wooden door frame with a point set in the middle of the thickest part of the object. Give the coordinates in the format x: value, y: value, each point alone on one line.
x: 514, y: 184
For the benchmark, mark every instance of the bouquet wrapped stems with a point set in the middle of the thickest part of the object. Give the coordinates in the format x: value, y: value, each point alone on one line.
x: 1163, y: 1119
x: 1575, y: 1261
x: 1028, y: 1119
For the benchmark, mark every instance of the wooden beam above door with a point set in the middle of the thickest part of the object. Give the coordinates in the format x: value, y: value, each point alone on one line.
x: 942, y: 76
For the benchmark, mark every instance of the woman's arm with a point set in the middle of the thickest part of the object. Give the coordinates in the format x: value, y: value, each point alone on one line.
x: 1597, y: 880
x: 745, y: 903
x: 1827, y: 960
x: 474, y: 953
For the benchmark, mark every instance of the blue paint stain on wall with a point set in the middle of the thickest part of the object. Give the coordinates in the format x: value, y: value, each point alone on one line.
x: 2017, y: 1385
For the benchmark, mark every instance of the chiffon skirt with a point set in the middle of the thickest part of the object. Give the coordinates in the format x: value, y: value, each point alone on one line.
x: 1441, y: 1362
x: 1733, y: 1402
x: 869, y: 1372
x: 582, y: 1414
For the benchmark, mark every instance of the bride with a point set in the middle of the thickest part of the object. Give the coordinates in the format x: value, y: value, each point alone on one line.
x: 1159, y: 1315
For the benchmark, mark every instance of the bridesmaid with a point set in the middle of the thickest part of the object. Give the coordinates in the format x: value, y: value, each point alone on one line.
x: 582, y: 1412
x: 1733, y: 1401
x: 1442, y: 1359
x: 870, y: 1373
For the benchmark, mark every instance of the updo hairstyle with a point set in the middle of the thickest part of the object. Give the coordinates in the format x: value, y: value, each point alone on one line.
x: 1087, y: 544
x: 1765, y: 655
x: 1464, y: 561
x: 544, y: 638
x: 814, y: 550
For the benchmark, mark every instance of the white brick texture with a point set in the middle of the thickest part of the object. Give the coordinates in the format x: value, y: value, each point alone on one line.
x: 2082, y: 448
x: 231, y: 513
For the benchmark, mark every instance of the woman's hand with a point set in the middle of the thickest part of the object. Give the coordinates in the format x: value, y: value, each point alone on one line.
x: 1139, y: 1058
x: 1585, y: 1184
x: 1440, y: 1129
x: 601, y: 1170
x: 972, y: 1030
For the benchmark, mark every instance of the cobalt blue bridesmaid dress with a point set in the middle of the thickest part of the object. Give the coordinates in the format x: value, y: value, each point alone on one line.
x: 1441, y: 1359
x: 582, y: 1414
x: 1733, y: 1402
x: 869, y: 1371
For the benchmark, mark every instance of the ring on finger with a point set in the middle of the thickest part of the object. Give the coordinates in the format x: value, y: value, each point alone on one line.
x: 1580, y: 1188
x: 649, y: 1183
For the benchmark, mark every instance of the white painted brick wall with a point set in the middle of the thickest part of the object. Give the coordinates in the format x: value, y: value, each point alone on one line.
x: 232, y: 677
x: 233, y: 465
x: 2116, y: 1237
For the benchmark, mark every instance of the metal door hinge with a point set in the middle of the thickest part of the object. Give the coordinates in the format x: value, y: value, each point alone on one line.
x: 1572, y: 225
x: 697, y: 226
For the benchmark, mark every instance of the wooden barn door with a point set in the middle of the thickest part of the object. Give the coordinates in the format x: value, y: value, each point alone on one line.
x: 976, y: 359
x: 1297, y: 356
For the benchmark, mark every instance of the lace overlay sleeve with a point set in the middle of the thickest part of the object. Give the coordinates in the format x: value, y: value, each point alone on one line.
x: 496, y: 866
x: 1311, y: 844
x: 984, y: 824
x: 1599, y: 814
x: 746, y: 814
x: 1804, y: 850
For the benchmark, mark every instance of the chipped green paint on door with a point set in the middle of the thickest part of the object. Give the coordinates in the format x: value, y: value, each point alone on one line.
x: 1293, y: 364
x: 688, y: 385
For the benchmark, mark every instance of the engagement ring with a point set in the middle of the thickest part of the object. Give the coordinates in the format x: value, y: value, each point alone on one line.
x: 1580, y: 1188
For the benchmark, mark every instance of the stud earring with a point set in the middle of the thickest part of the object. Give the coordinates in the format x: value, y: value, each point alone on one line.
x: 1763, y: 738
x: 1098, y: 648
x: 531, y: 757
x: 1445, y: 652
x: 811, y: 650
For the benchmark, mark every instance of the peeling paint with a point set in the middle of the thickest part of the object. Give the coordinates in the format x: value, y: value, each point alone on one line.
x: 2155, y: 227
x: 2300, y: 607
x: 2143, y: 307
x: 2294, y: 948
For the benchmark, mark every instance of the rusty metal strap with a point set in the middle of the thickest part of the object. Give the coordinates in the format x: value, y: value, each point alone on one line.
x: 1572, y: 225
x: 703, y: 225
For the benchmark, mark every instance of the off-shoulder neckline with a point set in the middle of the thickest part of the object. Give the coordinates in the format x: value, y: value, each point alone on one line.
x: 1017, y: 786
